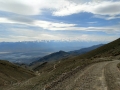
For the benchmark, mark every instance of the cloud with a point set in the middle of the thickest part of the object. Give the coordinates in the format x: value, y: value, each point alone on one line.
x: 49, y: 25
x: 92, y: 22
x: 31, y: 35
x: 19, y: 7
x: 107, y: 8
x: 60, y: 26
x: 78, y: 34
x: 102, y: 8
x: 20, y: 23
x: 36, y: 23
x: 13, y: 21
x: 62, y: 7
x: 30, y: 7
x: 5, y: 20
x: 20, y: 18
x: 106, y: 17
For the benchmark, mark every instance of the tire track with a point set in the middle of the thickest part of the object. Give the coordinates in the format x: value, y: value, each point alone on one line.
x: 92, y: 78
x: 100, y: 76
x: 112, y: 75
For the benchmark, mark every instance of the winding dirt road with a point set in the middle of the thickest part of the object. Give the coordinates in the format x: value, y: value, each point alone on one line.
x: 99, y: 76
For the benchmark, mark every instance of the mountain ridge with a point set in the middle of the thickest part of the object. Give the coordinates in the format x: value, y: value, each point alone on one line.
x: 62, y: 54
x: 110, y: 49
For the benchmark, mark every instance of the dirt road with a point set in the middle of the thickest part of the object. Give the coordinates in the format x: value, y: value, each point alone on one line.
x: 112, y: 74
x: 100, y: 76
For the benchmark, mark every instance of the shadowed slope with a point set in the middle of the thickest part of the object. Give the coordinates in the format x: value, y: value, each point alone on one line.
x: 10, y: 73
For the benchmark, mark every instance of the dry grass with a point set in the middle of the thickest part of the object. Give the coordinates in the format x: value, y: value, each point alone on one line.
x: 10, y: 73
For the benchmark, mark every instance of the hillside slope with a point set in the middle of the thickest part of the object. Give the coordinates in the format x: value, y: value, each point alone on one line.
x: 110, y: 49
x: 48, y: 58
x: 52, y: 57
x: 10, y: 73
x: 71, y: 69
x: 61, y: 55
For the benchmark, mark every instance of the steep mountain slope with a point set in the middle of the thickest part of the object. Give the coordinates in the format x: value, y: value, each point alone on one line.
x: 53, y: 57
x: 10, y: 73
x: 51, y: 46
x: 110, y: 49
x: 61, y: 55
x: 48, y: 58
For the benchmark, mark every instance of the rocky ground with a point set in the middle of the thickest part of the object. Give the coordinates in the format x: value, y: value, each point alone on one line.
x: 98, y: 76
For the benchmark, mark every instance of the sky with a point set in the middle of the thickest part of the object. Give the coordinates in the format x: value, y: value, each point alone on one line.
x: 61, y: 20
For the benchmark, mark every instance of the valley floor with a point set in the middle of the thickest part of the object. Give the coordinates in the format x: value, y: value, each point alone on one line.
x: 99, y: 76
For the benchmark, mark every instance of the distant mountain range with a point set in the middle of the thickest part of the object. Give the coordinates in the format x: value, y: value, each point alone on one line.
x: 51, y: 46
x: 27, y: 52
x: 85, y: 50
x: 62, y: 54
